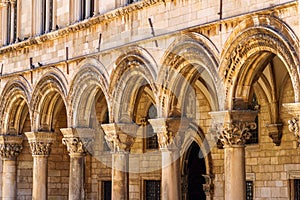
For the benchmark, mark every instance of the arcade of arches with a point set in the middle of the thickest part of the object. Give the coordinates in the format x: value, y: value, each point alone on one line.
x: 206, y: 112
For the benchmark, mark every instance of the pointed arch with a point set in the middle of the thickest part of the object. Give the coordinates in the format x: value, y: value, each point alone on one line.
x: 252, y: 43
x: 15, y: 100
x: 49, y: 94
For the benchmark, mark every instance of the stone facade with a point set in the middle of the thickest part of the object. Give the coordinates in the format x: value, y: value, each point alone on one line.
x: 82, y: 86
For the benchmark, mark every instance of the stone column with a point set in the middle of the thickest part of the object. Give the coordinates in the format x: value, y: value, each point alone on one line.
x: 47, y: 20
x: 78, y: 142
x: 40, y: 143
x: 87, y: 8
x: 10, y: 148
x: 38, y: 17
x: 233, y: 129
x: 294, y: 110
x: 120, y: 138
x: 170, y: 133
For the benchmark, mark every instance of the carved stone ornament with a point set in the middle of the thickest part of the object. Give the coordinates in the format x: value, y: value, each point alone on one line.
x: 40, y: 142
x: 170, y: 131
x: 78, y: 140
x: 120, y: 137
x: 294, y: 109
x: 10, y: 146
x: 234, y: 127
x: 208, y: 185
x: 77, y: 145
x: 235, y: 133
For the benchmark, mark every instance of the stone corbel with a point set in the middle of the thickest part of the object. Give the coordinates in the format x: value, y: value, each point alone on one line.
x: 120, y: 136
x: 170, y: 131
x: 10, y: 146
x: 233, y: 127
x: 78, y: 140
x: 294, y: 110
x: 275, y: 132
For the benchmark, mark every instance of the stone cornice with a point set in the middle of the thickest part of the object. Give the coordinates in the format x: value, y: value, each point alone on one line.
x: 82, y: 25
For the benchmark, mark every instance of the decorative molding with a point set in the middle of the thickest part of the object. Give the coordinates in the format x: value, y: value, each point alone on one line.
x: 40, y: 148
x: 10, y: 146
x: 294, y: 109
x: 208, y: 186
x: 120, y: 137
x: 170, y: 131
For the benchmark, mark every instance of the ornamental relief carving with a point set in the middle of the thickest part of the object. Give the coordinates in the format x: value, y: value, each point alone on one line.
x: 77, y: 145
x: 117, y: 145
x: 235, y: 133
x: 294, y: 128
x: 10, y: 150
x: 40, y: 148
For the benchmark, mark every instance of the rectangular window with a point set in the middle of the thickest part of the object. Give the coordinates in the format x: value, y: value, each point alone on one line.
x: 152, y: 190
x: 249, y: 190
x: 106, y: 190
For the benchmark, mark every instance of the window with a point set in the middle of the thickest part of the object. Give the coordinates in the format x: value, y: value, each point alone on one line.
x: 106, y: 190
x: 152, y: 190
x: 249, y: 190
x: 47, y: 15
x: 86, y: 9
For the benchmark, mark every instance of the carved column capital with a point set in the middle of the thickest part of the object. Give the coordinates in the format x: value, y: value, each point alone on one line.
x: 234, y: 127
x: 10, y: 146
x: 120, y: 136
x: 170, y: 132
x: 40, y: 142
x: 78, y: 140
x: 208, y: 185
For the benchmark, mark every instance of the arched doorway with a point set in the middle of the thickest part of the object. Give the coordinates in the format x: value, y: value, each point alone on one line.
x: 194, y: 169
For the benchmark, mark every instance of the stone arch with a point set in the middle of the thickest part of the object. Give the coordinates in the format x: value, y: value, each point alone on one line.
x: 90, y: 79
x: 134, y: 69
x: 49, y: 94
x: 189, y: 58
x: 14, y: 104
x: 257, y: 39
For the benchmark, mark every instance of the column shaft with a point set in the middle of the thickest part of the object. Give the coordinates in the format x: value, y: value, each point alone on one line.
x: 171, y: 179
x: 12, y: 22
x: 120, y: 181
x: 40, y: 175
x: 76, y: 189
x: 235, y: 176
x: 87, y: 8
x: 5, y: 23
x: 47, y: 20
x: 9, y: 182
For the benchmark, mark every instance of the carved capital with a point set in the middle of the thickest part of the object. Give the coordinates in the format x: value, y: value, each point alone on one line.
x: 40, y: 142
x: 170, y: 131
x: 10, y: 146
x: 77, y: 146
x: 78, y: 140
x: 234, y: 127
x: 208, y: 185
x: 120, y: 137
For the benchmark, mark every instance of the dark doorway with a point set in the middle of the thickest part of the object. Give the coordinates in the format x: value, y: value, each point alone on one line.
x: 195, y: 169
